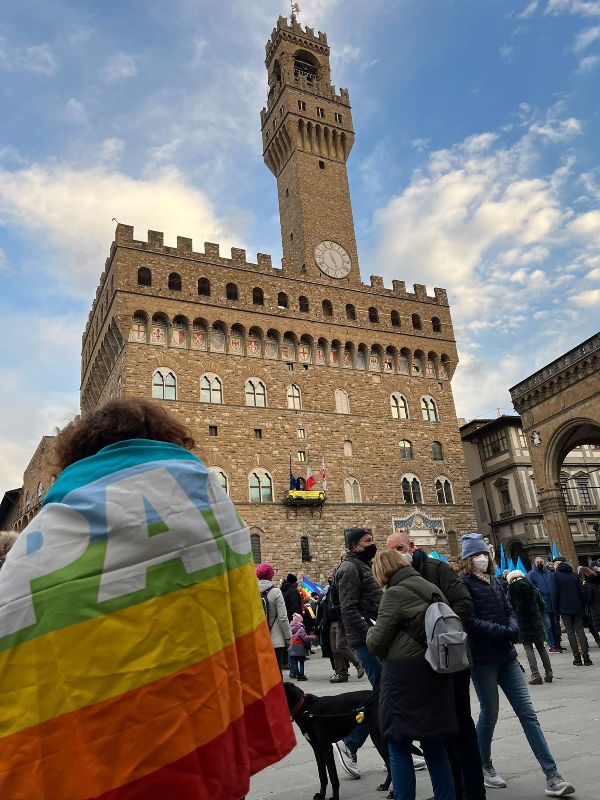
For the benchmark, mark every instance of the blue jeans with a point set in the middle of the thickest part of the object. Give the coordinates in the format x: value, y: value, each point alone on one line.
x: 403, y: 772
x: 296, y: 664
x: 509, y: 677
x: 372, y: 666
x: 549, y: 627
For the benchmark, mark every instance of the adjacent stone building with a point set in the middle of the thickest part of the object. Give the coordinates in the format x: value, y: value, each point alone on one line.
x: 497, y: 455
x: 278, y: 369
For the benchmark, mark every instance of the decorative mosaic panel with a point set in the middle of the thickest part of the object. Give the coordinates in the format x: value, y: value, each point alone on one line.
x: 178, y: 337
x: 217, y: 342
x: 304, y: 354
x: 199, y: 339
x: 288, y: 351
x: 137, y: 332
x: 158, y: 334
x: 271, y: 348
x: 236, y: 345
x: 319, y: 356
x: 373, y: 363
x: 253, y: 347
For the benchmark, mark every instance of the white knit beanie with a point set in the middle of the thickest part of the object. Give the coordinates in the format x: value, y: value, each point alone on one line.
x: 515, y: 575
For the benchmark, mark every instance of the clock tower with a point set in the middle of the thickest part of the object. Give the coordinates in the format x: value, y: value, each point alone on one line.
x: 307, y: 137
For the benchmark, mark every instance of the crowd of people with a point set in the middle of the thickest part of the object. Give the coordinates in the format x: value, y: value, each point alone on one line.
x: 372, y: 616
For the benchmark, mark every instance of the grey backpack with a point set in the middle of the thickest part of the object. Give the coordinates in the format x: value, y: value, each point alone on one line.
x: 445, y: 638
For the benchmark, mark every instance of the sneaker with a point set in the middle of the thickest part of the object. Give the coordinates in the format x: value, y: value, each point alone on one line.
x: 419, y: 763
x: 548, y: 677
x: 302, y: 678
x: 577, y: 662
x: 338, y: 679
x: 587, y: 661
x: 555, y: 650
x: 536, y: 680
x: 557, y: 786
x: 360, y: 671
x: 491, y: 779
x: 347, y: 760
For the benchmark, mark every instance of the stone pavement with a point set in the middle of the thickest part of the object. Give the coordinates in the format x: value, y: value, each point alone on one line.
x: 568, y: 710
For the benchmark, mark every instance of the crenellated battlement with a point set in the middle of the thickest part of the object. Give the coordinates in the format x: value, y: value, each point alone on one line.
x: 294, y: 29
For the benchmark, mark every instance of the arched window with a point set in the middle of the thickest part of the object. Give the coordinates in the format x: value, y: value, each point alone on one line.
x: 282, y: 300
x: 406, y: 450
x: 258, y: 296
x: 417, y: 364
x: 348, y: 452
x: 211, y: 389
x: 352, y: 490
x: 144, y: 277
x: 255, y: 546
x: 39, y: 491
x: 327, y: 308
x: 395, y: 317
x: 429, y: 409
x: 204, y: 287
x: 373, y: 315
x: 436, y: 451
x: 221, y: 478
x: 303, y: 305
x: 231, y: 291
x: 411, y: 490
x: 294, y: 398
x: 443, y: 490
x: 342, y: 403
x: 164, y: 385
x: 436, y: 325
x: 350, y: 311
x: 27, y: 503
x: 399, y: 406
x: 174, y: 282
x: 305, y: 549
x: 444, y: 367
x: 261, y: 487
x: 416, y: 322
x: 256, y: 393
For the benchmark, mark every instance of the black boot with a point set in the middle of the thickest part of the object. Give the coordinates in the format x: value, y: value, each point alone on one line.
x: 587, y: 660
x: 577, y: 662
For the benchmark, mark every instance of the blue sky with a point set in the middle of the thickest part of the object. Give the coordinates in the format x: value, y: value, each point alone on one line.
x: 475, y: 168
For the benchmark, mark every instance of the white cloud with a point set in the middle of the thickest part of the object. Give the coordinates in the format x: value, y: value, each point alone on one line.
x: 121, y: 66
x: 584, y: 8
x: 587, y: 226
x: 110, y: 151
x: 587, y: 299
x: 593, y: 275
x: 75, y: 111
x: 586, y: 38
x: 589, y: 63
x: 506, y: 51
x: 555, y: 130
x: 37, y: 59
x: 72, y: 211
x: 529, y: 10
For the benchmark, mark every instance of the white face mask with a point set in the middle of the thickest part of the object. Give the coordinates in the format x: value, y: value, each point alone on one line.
x: 408, y: 557
x: 481, y: 562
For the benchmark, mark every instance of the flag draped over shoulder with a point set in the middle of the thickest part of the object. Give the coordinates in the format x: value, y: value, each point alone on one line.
x: 135, y: 658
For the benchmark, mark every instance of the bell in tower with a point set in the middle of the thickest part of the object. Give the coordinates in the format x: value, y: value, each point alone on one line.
x: 307, y: 137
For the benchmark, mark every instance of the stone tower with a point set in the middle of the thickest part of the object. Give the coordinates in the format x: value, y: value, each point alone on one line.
x: 307, y: 137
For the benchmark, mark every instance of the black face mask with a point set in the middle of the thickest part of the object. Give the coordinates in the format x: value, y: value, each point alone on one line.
x: 369, y: 552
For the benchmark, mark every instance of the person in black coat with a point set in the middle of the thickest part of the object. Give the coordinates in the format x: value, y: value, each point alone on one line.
x: 492, y: 631
x: 569, y: 601
x: 291, y: 595
x: 529, y: 607
x: 591, y: 592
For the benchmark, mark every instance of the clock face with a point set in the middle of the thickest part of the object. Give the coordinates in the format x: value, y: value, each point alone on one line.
x: 332, y: 259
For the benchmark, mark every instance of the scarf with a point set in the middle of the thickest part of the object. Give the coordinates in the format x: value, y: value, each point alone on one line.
x: 483, y: 576
x: 135, y: 658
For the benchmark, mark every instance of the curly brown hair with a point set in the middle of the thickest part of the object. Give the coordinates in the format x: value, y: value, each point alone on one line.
x: 117, y: 421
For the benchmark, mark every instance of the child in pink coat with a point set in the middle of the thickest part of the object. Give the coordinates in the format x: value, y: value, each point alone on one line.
x: 297, y: 649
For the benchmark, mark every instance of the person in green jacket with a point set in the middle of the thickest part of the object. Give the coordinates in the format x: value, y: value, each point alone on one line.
x: 415, y: 703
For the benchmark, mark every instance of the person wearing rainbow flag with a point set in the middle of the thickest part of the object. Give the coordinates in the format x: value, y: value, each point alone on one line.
x: 135, y: 657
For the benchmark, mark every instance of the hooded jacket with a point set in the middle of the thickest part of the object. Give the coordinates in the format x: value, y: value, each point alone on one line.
x: 529, y: 607
x: 591, y: 590
x: 567, y: 591
x: 540, y: 577
x: 359, y: 594
x: 293, y: 601
x: 279, y: 625
x: 415, y: 702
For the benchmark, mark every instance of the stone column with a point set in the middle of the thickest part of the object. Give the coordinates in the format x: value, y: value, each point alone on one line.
x: 552, y: 506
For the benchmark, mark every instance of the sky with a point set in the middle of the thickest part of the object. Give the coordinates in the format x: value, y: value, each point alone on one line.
x: 475, y: 168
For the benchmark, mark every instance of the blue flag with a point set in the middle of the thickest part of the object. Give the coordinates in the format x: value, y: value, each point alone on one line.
x: 293, y: 482
x: 521, y: 566
x: 555, y: 552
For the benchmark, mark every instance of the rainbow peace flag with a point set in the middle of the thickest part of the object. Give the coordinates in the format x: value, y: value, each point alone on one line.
x: 135, y: 658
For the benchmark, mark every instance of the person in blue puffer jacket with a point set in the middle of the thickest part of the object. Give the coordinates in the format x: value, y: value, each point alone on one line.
x: 540, y: 577
x: 492, y: 631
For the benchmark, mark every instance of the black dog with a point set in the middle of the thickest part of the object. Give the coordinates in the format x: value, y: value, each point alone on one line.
x: 324, y: 720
